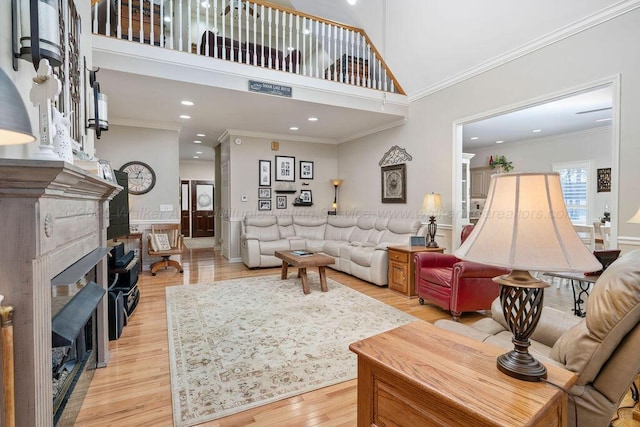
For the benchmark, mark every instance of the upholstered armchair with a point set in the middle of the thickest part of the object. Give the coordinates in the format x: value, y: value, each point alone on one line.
x: 455, y: 285
x: 601, y: 349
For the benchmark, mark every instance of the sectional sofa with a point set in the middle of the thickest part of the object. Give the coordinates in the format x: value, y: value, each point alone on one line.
x: 358, y: 245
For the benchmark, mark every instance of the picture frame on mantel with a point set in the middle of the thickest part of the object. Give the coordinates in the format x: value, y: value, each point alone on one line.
x: 394, y: 184
x: 285, y: 168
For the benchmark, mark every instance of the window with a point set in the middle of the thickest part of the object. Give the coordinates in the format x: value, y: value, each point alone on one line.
x: 574, y: 178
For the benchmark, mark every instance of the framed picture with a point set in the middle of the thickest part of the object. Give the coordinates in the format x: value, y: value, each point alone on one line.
x: 281, y: 202
x: 604, y: 180
x: 106, y: 171
x: 306, y: 170
x: 264, y: 205
x: 264, y: 173
x: 418, y: 241
x: 285, y: 168
x: 394, y: 184
x: 305, y: 196
x: 264, y: 193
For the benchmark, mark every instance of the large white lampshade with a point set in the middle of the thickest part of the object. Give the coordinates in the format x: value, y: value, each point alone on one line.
x: 15, y: 127
x: 635, y: 219
x: 525, y: 226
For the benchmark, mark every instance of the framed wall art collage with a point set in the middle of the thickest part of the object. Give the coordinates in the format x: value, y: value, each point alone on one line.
x: 284, y: 173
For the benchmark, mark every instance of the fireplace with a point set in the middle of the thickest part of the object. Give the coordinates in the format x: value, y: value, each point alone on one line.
x: 54, y: 220
x: 75, y: 297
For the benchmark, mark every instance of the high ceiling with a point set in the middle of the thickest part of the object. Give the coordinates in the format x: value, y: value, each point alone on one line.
x: 427, y: 44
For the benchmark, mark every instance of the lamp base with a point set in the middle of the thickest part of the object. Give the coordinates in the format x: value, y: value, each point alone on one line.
x: 521, y: 366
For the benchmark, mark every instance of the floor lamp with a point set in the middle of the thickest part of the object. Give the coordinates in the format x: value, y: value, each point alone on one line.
x: 525, y: 226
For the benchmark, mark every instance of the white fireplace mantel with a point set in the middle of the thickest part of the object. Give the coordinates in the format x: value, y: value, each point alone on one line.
x: 52, y: 214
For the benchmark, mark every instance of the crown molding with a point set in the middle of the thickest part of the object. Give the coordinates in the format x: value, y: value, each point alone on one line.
x: 584, y: 24
x: 275, y: 136
x: 373, y: 130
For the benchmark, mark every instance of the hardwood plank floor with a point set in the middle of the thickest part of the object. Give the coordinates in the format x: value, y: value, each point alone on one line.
x: 135, y: 389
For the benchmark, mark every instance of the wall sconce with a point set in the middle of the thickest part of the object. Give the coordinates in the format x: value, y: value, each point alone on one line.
x: 334, y: 206
x: 431, y: 207
x: 38, y: 34
x: 15, y: 127
x: 98, y: 119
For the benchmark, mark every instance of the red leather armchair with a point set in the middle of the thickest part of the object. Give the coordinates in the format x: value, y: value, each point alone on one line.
x: 453, y: 284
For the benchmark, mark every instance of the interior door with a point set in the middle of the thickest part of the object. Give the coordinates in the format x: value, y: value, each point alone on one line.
x: 202, y: 209
x: 185, y: 210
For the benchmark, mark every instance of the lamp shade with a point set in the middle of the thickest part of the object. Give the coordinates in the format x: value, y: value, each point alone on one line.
x: 15, y: 127
x: 336, y: 182
x: 432, y: 204
x: 635, y: 219
x: 525, y: 226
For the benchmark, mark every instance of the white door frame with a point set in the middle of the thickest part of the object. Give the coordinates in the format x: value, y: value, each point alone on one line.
x: 613, y: 81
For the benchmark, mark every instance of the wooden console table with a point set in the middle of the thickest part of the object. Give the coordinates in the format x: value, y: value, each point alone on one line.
x: 402, y: 271
x: 419, y: 374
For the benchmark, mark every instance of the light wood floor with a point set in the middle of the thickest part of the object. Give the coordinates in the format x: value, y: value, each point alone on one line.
x: 135, y: 389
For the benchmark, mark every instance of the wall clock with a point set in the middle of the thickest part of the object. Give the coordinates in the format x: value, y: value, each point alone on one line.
x: 141, y: 177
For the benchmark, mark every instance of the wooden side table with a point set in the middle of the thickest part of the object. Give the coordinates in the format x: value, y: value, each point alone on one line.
x: 421, y: 375
x: 401, y: 269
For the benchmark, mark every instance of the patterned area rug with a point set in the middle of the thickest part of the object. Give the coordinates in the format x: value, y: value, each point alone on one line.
x: 239, y: 344
x: 200, y: 242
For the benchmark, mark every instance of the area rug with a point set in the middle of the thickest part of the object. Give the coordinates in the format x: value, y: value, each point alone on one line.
x: 239, y: 344
x: 200, y: 242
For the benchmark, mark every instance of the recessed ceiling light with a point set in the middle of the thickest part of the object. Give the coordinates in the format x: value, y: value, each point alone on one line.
x: 536, y: 130
x: 499, y: 142
x: 189, y: 103
x: 184, y: 116
x: 197, y: 142
x: 196, y: 157
x: 313, y: 119
x: 198, y: 152
x: 473, y: 138
x: 293, y: 128
x: 604, y: 120
x: 201, y: 134
x: 352, y: 2
x: 205, y: 4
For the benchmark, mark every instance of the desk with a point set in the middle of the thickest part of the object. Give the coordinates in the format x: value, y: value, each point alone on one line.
x: 133, y: 236
x: 421, y: 375
x: 583, y: 282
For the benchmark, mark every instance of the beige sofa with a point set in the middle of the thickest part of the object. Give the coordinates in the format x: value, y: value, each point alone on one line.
x: 602, y: 348
x: 358, y: 245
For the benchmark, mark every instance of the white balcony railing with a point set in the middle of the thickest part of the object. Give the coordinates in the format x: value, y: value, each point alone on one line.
x: 250, y: 32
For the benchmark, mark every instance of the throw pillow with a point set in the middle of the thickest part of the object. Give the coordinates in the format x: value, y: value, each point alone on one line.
x: 162, y: 242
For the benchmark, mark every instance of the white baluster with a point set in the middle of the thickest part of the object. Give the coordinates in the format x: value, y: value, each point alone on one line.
x: 262, y: 35
x: 130, y: 29
x: 141, y: 10
x: 241, y: 10
x: 276, y: 26
x: 255, y: 33
x: 215, y: 28
x: 298, y: 44
x: 317, y: 61
x: 162, y: 23
x: 94, y: 23
x: 369, y: 62
x: 322, y: 50
x: 224, y: 34
x: 246, y: 30
x: 188, y: 27
x: 270, y: 26
x: 305, y: 36
x: 172, y: 25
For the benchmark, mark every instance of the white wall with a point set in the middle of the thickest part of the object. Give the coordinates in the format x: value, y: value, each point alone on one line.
x: 158, y: 149
x: 197, y: 170
x: 589, y: 56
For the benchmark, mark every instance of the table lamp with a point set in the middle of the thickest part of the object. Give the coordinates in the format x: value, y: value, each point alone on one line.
x: 634, y: 219
x: 431, y: 206
x: 525, y: 226
x: 15, y: 127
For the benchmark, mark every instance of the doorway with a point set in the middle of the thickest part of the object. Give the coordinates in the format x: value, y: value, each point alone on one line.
x: 462, y: 140
x: 197, y: 208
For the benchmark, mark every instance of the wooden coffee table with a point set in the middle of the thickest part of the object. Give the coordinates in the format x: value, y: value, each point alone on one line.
x: 302, y: 262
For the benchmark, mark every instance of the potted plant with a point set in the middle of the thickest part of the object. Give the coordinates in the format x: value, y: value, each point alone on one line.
x: 502, y: 163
